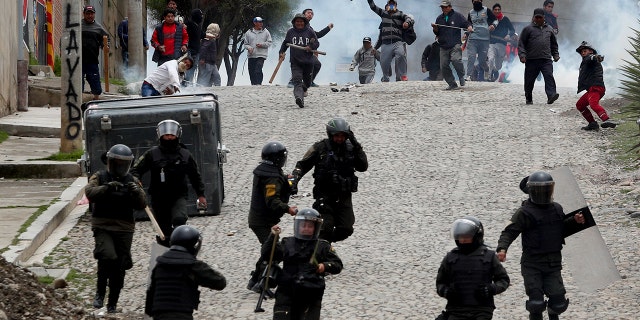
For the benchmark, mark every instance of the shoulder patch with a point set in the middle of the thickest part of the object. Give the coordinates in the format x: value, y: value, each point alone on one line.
x: 270, y: 190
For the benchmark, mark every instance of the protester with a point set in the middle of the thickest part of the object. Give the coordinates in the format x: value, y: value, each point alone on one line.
x: 482, y: 23
x: 166, y: 79
x: 447, y: 29
x: 92, y: 43
x: 208, y: 74
x: 170, y: 38
x: 500, y: 36
x: 194, y: 30
x: 536, y: 47
x: 431, y: 61
x: 591, y: 79
x: 550, y: 17
x: 123, y: 35
x: 365, y: 59
x: 257, y: 41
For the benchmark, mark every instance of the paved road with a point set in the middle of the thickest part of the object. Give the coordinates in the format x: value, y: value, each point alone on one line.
x: 434, y: 156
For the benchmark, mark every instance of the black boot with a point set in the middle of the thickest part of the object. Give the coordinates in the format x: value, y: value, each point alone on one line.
x: 98, y: 301
x: 114, y: 295
x: 535, y: 316
x: 592, y: 126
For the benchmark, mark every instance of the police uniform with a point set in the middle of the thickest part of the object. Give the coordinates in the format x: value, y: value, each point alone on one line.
x: 168, y: 186
x: 334, y: 182
x: 300, y: 287
x: 466, y: 300
x: 113, y: 226
x: 173, y: 293
x: 542, y: 228
x: 269, y: 198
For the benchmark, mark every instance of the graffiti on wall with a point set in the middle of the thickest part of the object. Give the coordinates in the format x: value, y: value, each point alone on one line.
x: 73, y: 126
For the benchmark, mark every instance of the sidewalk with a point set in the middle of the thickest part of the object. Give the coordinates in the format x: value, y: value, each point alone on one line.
x: 28, y: 184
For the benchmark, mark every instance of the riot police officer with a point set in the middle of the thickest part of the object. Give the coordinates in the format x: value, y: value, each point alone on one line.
x: 335, y: 160
x: 114, y: 194
x: 170, y: 163
x: 173, y: 293
x: 542, y: 223
x: 470, y: 294
x: 269, y: 198
x: 305, y: 262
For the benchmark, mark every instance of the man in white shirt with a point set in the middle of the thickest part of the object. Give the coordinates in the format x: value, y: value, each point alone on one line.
x: 166, y: 79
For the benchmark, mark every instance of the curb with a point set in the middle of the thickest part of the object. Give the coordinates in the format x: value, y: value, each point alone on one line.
x: 40, y: 170
x: 30, y: 240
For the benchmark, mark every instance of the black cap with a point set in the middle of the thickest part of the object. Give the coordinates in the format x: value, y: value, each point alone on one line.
x: 366, y: 39
x: 89, y: 9
x: 538, y: 12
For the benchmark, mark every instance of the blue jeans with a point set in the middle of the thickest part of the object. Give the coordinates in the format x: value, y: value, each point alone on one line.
x: 255, y: 70
x: 92, y: 73
x: 148, y: 90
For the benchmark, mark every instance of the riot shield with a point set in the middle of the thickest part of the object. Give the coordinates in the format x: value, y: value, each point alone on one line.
x: 585, y: 252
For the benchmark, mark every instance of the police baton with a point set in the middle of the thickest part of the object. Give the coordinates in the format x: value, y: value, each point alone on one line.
x: 265, y: 288
x: 154, y: 223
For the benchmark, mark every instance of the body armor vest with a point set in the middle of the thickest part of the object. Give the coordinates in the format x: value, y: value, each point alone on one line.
x: 470, y: 272
x: 175, y: 288
x: 172, y: 167
x: 258, y: 202
x: 546, y: 232
x: 296, y: 267
x: 118, y: 204
x: 334, y: 172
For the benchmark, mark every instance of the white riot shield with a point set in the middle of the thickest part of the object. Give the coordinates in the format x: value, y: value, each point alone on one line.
x: 585, y: 252
x: 156, y: 251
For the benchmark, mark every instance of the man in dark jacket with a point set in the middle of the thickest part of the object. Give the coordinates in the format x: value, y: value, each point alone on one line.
x: 194, y: 30
x: 92, y: 42
x: 173, y: 293
x: 470, y: 275
x: 393, y: 46
x: 170, y: 164
x: 123, y: 35
x: 536, y: 47
x: 448, y: 28
x: 431, y: 61
x: 542, y: 223
x: 306, y: 260
x: 591, y: 79
x: 269, y: 199
x: 302, y: 59
x: 335, y: 160
x: 114, y: 193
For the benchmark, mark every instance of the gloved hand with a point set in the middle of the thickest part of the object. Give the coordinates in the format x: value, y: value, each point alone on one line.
x: 599, y: 58
x: 294, y: 186
x: 485, y: 291
x: 134, y: 187
x: 353, y: 140
x: 114, y: 185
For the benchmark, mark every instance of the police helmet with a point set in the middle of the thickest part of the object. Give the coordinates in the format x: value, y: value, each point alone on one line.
x: 468, y: 227
x: 186, y: 238
x: 119, y: 159
x: 540, y: 186
x: 303, y: 220
x: 275, y: 152
x: 169, y: 127
x: 336, y: 125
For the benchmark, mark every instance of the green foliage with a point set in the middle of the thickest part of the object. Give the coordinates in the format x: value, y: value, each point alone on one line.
x: 57, y: 66
x: 631, y: 70
x: 32, y: 60
x: 3, y: 136
x: 626, y: 139
x: 46, y: 279
x: 60, y: 156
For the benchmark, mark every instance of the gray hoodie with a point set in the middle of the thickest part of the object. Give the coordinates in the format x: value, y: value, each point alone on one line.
x: 253, y: 37
x: 366, y: 59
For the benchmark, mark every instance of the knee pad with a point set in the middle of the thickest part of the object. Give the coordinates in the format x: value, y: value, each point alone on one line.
x: 557, y: 304
x: 535, y: 306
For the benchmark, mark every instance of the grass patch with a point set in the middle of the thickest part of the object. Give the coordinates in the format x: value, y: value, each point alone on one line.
x: 46, y: 279
x: 60, y: 156
x: 626, y: 140
x: 31, y: 219
x: 3, y: 136
x: 117, y: 82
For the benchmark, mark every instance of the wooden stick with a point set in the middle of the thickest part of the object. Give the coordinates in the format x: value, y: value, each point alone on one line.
x: 154, y: 222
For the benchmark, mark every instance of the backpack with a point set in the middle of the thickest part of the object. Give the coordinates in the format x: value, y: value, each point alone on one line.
x: 409, y: 35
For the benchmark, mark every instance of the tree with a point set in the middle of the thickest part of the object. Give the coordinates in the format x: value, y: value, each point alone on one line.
x: 234, y: 18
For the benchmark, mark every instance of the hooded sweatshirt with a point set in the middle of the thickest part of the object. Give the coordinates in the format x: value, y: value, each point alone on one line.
x: 300, y: 37
x: 253, y: 37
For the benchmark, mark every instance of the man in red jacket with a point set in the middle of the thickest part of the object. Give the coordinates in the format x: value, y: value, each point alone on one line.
x: 170, y: 38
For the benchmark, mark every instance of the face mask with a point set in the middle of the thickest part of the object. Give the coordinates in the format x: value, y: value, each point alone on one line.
x: 392, y: 7
x: 477, y: 6
x: 169, y: 144
x: 182, y: 67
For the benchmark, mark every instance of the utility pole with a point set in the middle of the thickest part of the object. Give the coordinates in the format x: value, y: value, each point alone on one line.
x: 71, y: 80
x: 136, y: 49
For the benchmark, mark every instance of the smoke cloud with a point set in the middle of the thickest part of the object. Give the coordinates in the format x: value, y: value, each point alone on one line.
x: 605, y: 24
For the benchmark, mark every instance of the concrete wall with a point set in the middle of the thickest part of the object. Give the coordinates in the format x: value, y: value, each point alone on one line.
x: 9, y: 58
